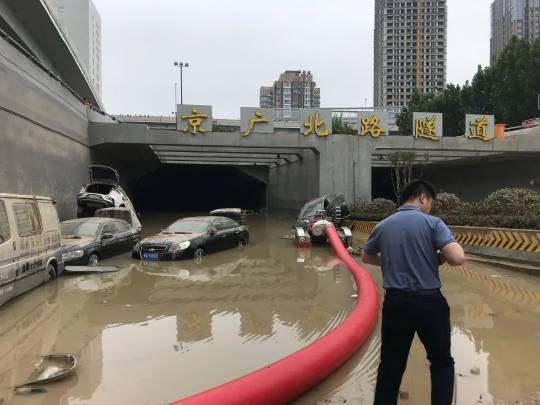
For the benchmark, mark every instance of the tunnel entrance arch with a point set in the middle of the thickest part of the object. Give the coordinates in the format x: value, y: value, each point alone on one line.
x: 197, y: 187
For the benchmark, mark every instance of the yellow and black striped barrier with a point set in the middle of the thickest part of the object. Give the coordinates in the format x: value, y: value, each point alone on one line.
x: 362, y: 226
x: 514, y: 239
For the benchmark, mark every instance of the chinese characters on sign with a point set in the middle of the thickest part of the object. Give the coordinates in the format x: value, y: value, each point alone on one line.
x: 427, y: 126
x: 318, y: 122
x: 194, y: 119
x: 479, y: 126
x: 373, y: 123
x: 256, y: 120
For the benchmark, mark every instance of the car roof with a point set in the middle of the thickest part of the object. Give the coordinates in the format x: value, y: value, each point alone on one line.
x: 98, y: 220
x: 204, y: 218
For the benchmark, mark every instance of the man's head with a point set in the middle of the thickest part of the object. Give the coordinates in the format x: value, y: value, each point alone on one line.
x: 419, y: 193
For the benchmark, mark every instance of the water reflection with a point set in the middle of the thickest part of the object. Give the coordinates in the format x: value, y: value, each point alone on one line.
x: 154, y: 332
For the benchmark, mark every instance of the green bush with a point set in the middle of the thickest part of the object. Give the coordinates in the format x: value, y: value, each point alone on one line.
x: 513, y: 201
x: 515, y: 208
x: 375, y: 210
x: 447, y: 203
x: 494, y: 221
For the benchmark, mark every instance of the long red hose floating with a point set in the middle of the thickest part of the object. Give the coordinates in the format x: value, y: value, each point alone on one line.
x: 288, y: 378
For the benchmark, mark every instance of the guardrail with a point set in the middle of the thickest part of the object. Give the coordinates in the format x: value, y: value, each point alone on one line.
x: 531, y: 123
x: 502, y: 243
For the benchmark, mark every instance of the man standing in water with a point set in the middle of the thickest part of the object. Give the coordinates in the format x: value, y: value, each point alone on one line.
x: 409, y: 246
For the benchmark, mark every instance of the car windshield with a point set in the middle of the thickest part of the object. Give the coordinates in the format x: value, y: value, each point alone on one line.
x: 188, y: 226
x: 311, y: 208
x: 79, y: 230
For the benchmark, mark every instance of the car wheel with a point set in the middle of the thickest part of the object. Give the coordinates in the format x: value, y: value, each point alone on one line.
x: 80, y: 212
x: 93, y: 260
x: 242, y: 244
x: 198, y: 255
x: 51, y: 272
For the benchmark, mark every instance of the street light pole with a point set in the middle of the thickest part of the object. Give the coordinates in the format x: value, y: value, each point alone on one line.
x: 175, y: 97
x: 181, y: 66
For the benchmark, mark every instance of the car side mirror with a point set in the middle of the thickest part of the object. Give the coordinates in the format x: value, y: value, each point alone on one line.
x: 107, y: 236
x: 212, y: 232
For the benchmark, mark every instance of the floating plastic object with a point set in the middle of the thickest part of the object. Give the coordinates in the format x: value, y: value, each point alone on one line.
x: 51, y: 368
x: 288, y: 378
x: 90, y: 269
x: 28, y: 390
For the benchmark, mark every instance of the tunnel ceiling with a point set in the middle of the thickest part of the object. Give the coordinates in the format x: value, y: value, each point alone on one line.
x: 190, y: 155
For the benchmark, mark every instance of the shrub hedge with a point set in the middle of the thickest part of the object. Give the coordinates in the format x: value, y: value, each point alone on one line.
x: 516, y: 208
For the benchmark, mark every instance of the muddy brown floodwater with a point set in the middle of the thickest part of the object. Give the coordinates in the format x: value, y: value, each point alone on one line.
x: 155, y: 332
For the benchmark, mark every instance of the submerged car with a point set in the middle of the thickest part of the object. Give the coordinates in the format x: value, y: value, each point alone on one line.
x: 85, y: 241
x: 193, y: 237
x: 103, y: 191
x: 330, y: 207
x: 124, y: 214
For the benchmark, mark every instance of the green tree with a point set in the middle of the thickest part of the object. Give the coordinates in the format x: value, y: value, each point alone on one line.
x: 341, y: 127
x: 508, y: 89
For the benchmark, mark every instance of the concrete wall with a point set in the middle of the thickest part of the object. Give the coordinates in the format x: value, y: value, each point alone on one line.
x: 291, y: 186
x: 44, y: 134
x: 485, y: 178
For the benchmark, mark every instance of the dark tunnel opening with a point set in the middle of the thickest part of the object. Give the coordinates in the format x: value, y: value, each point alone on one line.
x: 174, y: 188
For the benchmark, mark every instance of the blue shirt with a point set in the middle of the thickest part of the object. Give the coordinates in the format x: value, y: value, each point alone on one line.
x: 408, y: 242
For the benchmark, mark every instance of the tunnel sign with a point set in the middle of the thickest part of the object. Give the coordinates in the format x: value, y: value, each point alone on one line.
x: 256, y: 120
x: 194, y: 119
x: 479, y: 126
x: 316, y: 121
x: 373, y: 123
x: 428, y: 125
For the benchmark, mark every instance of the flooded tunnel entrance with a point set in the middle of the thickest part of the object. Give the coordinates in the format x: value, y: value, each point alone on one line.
x: 175, y: 188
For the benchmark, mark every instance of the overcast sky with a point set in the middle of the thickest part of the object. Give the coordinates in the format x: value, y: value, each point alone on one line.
x: 235, y: 46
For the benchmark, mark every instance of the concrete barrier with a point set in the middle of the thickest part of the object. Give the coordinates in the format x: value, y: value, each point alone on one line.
x: 512, y: 244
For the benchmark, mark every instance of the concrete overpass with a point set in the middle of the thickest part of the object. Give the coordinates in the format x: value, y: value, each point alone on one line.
x: 295, y: 168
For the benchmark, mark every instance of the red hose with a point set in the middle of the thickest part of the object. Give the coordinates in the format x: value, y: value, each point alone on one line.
x: 288, y: 378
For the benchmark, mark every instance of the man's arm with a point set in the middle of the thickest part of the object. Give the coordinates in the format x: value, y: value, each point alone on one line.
x: 453, y: 254
x: 375, y: 260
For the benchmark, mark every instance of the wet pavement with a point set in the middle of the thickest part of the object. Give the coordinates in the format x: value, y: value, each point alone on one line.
x: 155, y: 332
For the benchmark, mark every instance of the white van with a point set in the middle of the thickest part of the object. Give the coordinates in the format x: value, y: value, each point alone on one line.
x: 29, y: 244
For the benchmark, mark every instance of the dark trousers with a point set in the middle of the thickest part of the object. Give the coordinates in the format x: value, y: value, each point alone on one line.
x: 428, y: 314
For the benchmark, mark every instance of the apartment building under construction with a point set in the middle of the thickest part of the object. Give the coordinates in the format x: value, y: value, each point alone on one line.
x: 410, y: 49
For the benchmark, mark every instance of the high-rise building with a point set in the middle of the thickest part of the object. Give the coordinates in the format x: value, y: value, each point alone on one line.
x: 513, y: 18
x: 266, y: 97
x: 80, y: 23
x: 410, y: 49
x: 293, y: 89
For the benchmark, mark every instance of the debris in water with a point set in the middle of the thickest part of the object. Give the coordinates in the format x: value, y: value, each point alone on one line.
x: 357, y: 251
x: 52, y: 367
x: 403, y: 394
x: 90, y: 269
x: 332, y: 401
x: 30, y: 389
x: 475, y: 371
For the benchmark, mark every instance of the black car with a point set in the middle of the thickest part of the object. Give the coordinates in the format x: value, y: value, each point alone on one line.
x: 85, y: 241
x: 193, y: 237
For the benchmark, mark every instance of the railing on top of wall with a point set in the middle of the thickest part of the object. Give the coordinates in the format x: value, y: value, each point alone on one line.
x: 53, y: 75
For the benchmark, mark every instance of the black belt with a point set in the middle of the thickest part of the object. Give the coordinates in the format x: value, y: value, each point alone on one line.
x: 395, y: 291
